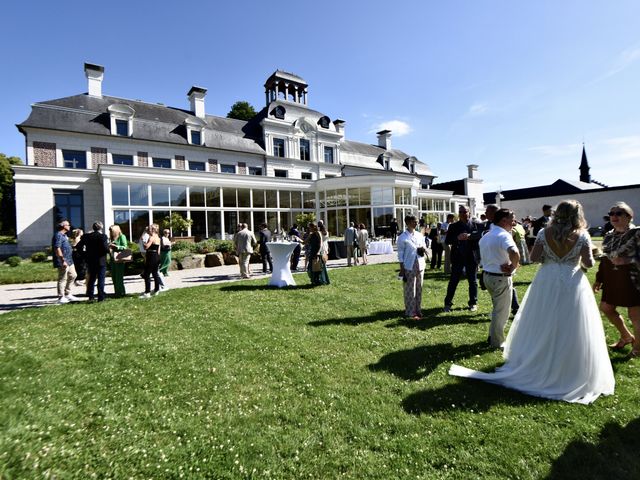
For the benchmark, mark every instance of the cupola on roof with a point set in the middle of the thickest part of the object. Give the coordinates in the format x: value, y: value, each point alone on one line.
x: 286, y: 86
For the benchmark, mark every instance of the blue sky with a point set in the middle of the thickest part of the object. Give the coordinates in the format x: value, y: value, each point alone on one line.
x: 514, y: 87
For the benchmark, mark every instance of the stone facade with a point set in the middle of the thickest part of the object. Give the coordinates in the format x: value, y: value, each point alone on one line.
x: 213, y: 165
x: 242, y: 168
x: 44, y: 154
x: 179, y: 162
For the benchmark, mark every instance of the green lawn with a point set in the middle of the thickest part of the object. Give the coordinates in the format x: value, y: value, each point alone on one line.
x: 27, y: 272
x: 239, y: 380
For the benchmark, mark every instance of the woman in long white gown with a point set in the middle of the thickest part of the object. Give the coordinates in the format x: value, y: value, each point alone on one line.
x: 556, y: 347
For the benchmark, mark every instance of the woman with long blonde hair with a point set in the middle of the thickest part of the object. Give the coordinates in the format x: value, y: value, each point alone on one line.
x: 556, y: 346
x: 117, y: 243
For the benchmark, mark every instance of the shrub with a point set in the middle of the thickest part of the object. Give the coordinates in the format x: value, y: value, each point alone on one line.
x: 134, y: 247
x: 13, y: 261
x: 224, y: 246
x: 212, y: 245
x: 183, y: 246
x: 7, y: 240
x: 39, y: 257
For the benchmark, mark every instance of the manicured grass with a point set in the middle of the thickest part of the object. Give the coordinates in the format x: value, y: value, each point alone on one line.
x: 27, y: 272
x: 239, y: 380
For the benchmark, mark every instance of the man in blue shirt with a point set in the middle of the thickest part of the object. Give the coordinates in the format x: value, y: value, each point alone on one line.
x: 63, y: 261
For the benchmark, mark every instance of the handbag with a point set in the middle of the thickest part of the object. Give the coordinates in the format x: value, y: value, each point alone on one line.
x: 122, y: 256
x: 316, y: 264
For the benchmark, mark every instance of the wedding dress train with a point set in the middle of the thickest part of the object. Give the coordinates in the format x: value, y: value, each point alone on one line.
x: 556, y: 347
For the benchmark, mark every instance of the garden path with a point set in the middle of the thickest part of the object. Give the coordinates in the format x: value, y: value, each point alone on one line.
x: 24, y: 295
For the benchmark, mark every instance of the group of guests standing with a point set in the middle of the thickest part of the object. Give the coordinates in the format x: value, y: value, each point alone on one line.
x: 556, y: 345
x: 85, y: 259
x: 356, y: 241
x: 316, y: 244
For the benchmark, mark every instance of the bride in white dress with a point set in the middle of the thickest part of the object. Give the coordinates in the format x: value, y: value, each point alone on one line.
x: 556, y: 347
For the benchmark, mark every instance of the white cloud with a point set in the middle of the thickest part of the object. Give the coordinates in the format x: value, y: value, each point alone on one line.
x: 478, y: 108
x: 398, y: 127
x: 623, y: 60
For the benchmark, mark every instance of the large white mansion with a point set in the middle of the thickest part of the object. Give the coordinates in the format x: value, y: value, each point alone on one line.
x: 96, y: 157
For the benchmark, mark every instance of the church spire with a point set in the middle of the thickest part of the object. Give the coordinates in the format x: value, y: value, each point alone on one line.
x: 584, y: 167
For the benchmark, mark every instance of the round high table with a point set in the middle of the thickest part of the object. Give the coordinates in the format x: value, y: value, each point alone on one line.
x: 280, y: 255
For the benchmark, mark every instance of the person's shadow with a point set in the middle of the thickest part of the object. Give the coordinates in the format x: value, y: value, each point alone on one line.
x: 616, y: 455
x: 467, y: 394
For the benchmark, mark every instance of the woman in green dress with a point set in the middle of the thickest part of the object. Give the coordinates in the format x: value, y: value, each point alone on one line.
x: 118, y: 243
x: 165, y: 252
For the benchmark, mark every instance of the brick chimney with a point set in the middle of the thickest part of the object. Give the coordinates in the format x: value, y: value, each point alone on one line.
x: 196, y: 97
x: 95, y: 74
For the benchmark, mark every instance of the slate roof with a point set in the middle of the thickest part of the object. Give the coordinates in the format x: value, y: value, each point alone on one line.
x: 159, y: 123
x: 559, y: 187
x: 457, y: 187
x: 282, y: 75
x: 372, y: 153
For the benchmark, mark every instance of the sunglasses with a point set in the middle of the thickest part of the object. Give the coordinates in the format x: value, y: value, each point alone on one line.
x: 618, y: 213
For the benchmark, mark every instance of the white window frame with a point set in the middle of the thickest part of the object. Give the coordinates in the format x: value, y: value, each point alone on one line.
x: 120, y: 111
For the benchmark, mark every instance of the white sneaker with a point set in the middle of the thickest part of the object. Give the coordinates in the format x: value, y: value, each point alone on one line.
x: 72, y: 298
x: 63, y: 300
x: 145, y: 295
x: 78, y: 283
x: 164, y: 288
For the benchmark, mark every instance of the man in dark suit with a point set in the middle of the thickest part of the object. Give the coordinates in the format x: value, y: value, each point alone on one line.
x: 96, y: 245
x: 541, y: 222
x: 463, y: 237
x: 264, y: 236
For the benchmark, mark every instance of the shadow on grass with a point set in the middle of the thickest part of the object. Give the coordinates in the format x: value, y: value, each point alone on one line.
x: 432, y: 318
x: 466, y: 394
x: 353, y: 321
x: 419, y: 362
x: 615, y: 455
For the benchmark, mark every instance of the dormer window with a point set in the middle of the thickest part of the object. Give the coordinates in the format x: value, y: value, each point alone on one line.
x: 195, y: 130
x: 387, y: 164
x: 121, y: 119
x: 279, y: 112
x: 324, y: 122
x: 122, y: 128
x: 410, y: 164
